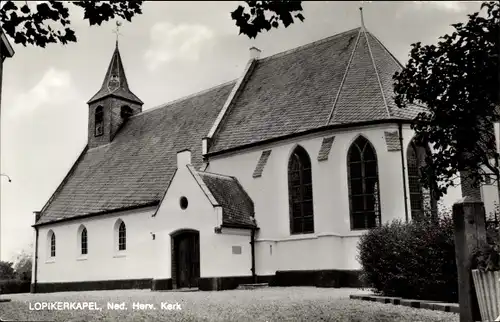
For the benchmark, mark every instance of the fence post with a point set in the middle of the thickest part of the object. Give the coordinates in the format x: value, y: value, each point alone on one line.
x: 469, y: 227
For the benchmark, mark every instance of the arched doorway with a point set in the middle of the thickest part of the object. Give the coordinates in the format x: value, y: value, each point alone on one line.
x: 185, y: 258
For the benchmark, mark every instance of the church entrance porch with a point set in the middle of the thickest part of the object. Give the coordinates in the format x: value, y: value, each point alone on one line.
x: 185, y: 259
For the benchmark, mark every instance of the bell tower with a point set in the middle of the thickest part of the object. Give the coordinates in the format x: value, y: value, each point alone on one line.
x: 110, y: 107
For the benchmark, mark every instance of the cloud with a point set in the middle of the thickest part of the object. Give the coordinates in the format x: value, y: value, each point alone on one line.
x: 54, y: 88
x: 453, y: 6
x: 170, y: 42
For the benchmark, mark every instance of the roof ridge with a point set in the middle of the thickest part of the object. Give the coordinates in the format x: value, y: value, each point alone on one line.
x: 216, y: 174
x: 308, y: 45
x: 233, y: 95
x: 177, y: 100
x: 376, y: 73
x: 386, y: 50
x: 343, y: 78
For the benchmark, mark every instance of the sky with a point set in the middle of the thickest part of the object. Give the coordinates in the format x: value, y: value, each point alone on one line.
x: 172, y: 50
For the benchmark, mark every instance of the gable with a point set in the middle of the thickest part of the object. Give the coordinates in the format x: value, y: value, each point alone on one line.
x: 136, y: 167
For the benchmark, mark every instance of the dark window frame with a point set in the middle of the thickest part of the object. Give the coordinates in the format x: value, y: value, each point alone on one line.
x: 99, y: 120
x: 122, y: 237
x: 415, y: 159
x: 53, y: 245
x: 364, y: 148
x: 300, y: 179
x: 84, y: 242
x: 126, y: 112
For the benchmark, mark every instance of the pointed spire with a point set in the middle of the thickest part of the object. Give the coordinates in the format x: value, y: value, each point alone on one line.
x: 115, y: 82
x: 117, y: 32
x: 362, y: 20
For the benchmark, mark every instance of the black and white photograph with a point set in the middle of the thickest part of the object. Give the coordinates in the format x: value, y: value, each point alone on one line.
x: 250, y: 161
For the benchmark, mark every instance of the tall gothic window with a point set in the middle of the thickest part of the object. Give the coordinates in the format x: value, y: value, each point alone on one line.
x: 126, y: 112
x: 420, y: 198
x: 363, y: 185
x: 99, y: 121
x: 300, y: 192
x: 84, y: 245
x: 122, y: 236
x: 52, y: 244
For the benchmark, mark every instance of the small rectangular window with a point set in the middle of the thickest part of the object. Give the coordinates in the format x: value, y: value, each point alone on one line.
x: 236, y: 250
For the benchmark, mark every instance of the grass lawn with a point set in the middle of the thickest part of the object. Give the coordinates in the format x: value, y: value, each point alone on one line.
x: 270, y: 304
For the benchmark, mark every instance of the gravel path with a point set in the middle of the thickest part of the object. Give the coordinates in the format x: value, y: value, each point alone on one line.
x: 270, y: 304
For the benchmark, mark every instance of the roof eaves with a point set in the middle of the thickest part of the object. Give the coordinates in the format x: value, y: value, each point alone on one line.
x: 329, y: 127
x: 376, y: 73
x: 100, y: 213
x: 343, y: 79
x: 99, y: 96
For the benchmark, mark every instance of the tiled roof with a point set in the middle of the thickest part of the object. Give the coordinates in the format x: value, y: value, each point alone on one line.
x: 346, y: 78
x: 137, y: 166
x: 237, y: 207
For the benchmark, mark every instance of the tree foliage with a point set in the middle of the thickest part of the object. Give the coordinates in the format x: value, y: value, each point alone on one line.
x: 6, y: 271
x: 23, y: 266
x: 264, y: 15
x: 458, y: 80
x: 49, y: 21
x: 39, y: 24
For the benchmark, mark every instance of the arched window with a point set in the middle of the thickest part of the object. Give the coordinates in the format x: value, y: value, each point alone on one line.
x: 126, y: 112
x: 363, y: 185
x: 300, y: 192
x: 83, y: 241
x: 122, y: 236
x: 99, y: 121
x: 52, y: 244
x: 420, y: 198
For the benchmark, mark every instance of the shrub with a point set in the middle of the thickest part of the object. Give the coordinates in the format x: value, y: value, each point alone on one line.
x: 14, y: 286
x: 413, y: 260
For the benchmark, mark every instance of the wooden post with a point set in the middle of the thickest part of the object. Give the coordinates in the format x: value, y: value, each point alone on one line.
x: 469, y: 226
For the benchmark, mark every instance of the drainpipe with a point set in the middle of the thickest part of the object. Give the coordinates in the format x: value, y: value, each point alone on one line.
x: 35, y: 264
x: 252, y: 245
x: 403, y: 169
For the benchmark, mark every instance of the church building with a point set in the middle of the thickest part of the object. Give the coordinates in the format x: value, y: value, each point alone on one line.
x: 270, y: 178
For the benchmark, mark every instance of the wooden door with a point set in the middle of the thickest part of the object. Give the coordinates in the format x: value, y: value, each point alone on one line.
x: 188, y: 260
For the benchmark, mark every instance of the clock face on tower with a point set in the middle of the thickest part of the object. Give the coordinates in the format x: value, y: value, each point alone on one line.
x: 113, y: 83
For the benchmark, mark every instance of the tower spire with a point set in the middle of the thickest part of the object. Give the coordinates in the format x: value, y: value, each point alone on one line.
x: 361, y: 14
x: 115, y: 82
x: 117, y: 32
